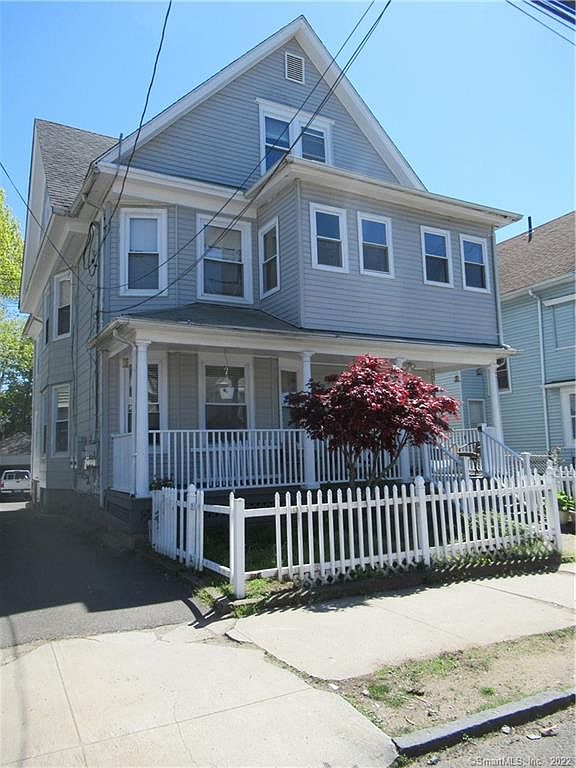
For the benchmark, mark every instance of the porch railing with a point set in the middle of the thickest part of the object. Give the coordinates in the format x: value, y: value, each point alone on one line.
x: 226, y: 459
x: 258, y: 458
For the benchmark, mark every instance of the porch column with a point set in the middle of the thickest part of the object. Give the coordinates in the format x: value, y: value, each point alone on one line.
x: 310, y: 480
x: 142, y: 482
x: 495, y: 401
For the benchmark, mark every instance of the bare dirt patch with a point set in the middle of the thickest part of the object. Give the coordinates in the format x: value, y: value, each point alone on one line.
x: 422, y: 694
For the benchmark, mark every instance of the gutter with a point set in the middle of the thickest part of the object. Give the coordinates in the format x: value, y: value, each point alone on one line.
x: 542, y: 367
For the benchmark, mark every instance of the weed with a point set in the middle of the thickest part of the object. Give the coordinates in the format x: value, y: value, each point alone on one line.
x: 487, y: 691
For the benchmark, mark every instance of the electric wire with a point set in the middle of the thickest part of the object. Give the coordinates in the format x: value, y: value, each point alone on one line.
x: 543, y: 8
x: 242, y: 185
x: 539, y: 21
x: 267, y: 180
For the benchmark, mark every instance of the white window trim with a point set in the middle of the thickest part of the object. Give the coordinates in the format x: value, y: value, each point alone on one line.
x: 161, y: 215
x: 273, y: 223
x: 361, y: 216
x: 245, y: 229
x: 287, y: 114
x: 55, y: 291
x: 54, y: 413
x: 341, y: 213
x: 154, y: 358
x: 565, y: 392
x: 445, y: 234
x: 482, y: 242
x: 302, y: 59
x: 552, y: 315
x: 475, y: 400
x: 232, y: 361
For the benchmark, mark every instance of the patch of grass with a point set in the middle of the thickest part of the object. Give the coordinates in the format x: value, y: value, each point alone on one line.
x: 487, y: 691
x: 383, y: 692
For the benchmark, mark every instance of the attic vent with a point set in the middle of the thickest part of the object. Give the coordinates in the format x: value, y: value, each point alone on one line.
x: 294, y: 68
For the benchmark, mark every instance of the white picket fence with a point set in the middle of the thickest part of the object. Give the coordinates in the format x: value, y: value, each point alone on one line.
x: 321, y: 537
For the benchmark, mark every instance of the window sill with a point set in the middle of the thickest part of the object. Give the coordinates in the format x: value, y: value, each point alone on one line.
x: 476, y: 290
x: 438, y: 285
x: 376, y: 273
x: 136, y: 293
x: 326, y: 268
x: 271, y: 292
x: 216, y: 298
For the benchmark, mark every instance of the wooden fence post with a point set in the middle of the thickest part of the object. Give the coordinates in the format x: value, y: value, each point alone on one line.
x: 422, y: 519
x: 237, y: 547
x: 551, y: 496
x: 191, y: 526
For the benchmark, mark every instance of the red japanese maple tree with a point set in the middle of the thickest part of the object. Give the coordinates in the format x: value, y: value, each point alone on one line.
x: 372, y: 406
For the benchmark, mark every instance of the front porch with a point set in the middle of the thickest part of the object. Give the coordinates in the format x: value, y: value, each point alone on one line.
x: 205, y: 406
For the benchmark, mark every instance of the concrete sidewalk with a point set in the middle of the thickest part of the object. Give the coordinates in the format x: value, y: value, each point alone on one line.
x: 173, y: 697
x: 348, y: 638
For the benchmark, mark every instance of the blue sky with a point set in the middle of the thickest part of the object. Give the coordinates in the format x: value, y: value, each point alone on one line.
x: 479, y: 98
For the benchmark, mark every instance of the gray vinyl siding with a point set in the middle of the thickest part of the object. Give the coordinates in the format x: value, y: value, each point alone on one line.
x: 522, y: 407
x: 285, y: 303
x: 559, y: 331
x: 266, y: 393
x: 452, y: 383
x: 218, y: 141
x: 403, y: 306
x: 182, y: 390
x: 182, y: 266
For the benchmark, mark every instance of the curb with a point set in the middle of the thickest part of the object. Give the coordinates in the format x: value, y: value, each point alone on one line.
x: 531, y: 708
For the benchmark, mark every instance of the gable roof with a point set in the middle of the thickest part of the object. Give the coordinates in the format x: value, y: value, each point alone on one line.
x: 15, y: 445
x: 66, y: 154
x: 550, y: 254
x: 319, y: 55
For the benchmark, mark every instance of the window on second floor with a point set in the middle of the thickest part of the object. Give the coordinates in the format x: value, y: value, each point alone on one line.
x: 62, y: 304
x: 329, y: 238
x: 474, y: 263
x: 269, y: 268
x: 143, y: 268
x: 375, y: 245
x: 225, y: 269
x: 436, y: 256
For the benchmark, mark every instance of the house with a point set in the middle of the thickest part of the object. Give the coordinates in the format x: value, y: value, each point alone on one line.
x: 536, y: 388
x: 15, y: 452
x: 252, y: 245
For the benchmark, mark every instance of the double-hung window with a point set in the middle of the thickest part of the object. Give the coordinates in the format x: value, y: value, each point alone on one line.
x: 225, y: 270
x: 375, y: 245
x: 277, y: 140
x: 329, y: 238
x: 268, y: 248
x: 143, y: 267
x: 283, y: 129
x: 474, y: 263
x: 436, y: 256
x: 62, y: 303
x: 60, y: 418
x: 225, y: 397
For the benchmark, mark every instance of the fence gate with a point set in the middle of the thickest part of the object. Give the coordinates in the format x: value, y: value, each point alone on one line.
x: 176, y: 525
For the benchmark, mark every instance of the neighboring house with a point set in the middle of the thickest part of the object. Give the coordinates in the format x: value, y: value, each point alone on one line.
x: 15, y: 452
x: 168, y: 347
x: 537, y: 386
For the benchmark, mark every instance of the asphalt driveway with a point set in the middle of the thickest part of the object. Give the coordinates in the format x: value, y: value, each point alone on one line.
x: 59, y: 581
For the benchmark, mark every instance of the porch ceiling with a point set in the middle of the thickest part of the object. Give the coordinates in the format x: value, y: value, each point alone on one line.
x: 288, y: 341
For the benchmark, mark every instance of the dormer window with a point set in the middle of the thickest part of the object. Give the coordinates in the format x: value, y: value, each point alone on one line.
x: 284, y: 129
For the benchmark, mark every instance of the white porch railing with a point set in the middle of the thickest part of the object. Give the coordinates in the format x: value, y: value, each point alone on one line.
x: 123, y: 463
x: 261, y: 458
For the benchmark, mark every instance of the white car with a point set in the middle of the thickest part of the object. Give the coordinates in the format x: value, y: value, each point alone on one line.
x: 15, y: 482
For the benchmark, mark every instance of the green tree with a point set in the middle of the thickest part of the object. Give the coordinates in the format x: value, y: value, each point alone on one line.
x: 16, y: 351
x: 11, y: 252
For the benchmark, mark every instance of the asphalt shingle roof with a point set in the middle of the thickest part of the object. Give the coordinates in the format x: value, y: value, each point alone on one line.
x: 218, y: 315
x: 15, y: 444
x: 66, y: 155
x: 550, y: 253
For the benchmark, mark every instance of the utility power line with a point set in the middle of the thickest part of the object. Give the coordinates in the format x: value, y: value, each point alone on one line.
x: 539, y: 21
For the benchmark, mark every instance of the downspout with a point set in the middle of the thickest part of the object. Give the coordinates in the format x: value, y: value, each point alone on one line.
x: 499, y: 327
x: 542, y: 368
